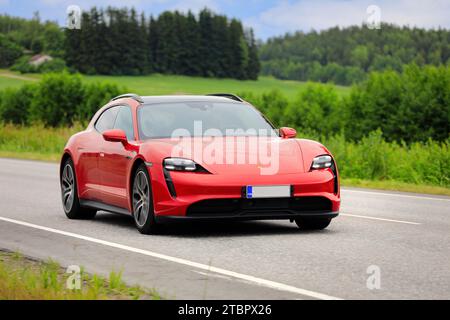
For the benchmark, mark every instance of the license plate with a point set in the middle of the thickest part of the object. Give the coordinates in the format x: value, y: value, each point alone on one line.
x: 252, y: 192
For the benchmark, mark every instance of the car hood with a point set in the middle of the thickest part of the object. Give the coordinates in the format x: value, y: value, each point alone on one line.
x: 233, y: 155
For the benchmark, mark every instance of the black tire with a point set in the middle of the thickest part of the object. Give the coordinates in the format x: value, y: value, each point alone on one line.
x: 142, y: 202
x: 313, y: 223
x: 69, y: 194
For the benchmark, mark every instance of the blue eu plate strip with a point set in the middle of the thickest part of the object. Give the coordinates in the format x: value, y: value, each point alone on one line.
x: 249, y: 192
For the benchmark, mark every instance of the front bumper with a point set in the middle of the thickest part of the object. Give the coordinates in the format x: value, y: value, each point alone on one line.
x: 194, y: 188
x: 272, y: 216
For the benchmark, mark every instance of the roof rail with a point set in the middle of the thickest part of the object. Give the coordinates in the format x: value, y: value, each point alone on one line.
x: 129, y: 95
x: 227, y: 95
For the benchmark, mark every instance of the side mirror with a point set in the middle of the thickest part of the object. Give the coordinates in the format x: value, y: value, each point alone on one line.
x: 115, y: 135
x: 287, y: 133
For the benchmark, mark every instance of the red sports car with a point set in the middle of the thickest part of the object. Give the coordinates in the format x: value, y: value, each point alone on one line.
x: 164, y: 158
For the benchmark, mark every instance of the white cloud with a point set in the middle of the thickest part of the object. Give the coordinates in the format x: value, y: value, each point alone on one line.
x: 427, y: 14
x: 307, y: 15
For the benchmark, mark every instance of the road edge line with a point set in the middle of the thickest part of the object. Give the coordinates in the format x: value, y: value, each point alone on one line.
x: 241, y: 276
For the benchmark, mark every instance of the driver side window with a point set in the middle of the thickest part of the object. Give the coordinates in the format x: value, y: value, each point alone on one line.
x: 107, y: 119
x: 124, y: 121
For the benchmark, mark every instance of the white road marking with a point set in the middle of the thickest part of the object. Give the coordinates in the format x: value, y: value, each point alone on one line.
x: 252, y: 279
x: 375, y: 218
x: 394, y: 195
x: 213, y: 275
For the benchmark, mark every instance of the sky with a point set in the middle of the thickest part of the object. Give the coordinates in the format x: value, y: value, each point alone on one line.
x: 267, y: 17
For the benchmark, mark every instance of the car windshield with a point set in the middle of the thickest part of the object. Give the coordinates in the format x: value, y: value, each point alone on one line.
x: 194, y: 119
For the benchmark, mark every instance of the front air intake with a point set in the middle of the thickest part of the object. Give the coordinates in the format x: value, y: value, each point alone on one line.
x: 242, y: 207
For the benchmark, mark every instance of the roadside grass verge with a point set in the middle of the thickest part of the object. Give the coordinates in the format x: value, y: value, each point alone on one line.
x: 371, y: 163
x: 22, y: 278
x: 392, y: 185
x: 34, y: 142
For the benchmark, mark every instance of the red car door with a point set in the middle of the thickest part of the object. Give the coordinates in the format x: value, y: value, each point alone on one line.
x: 89, y: 184
x: 115, y: 160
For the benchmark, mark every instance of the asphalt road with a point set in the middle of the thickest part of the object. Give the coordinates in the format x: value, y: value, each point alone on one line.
x: 406, y: 237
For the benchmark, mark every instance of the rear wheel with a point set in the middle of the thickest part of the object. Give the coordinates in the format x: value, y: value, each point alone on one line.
x: 313, y: 223
x: 69, y: 194
x: 143, y: 214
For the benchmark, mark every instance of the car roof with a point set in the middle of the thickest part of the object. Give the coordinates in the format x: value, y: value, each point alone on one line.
x: 185, y: 98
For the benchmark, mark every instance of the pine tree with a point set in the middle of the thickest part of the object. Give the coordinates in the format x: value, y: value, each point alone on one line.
x: 143, y: 46
x: 218, y: 46
x: 253, y: 66
x: 119, y: 41
x: 153, y: 45
x: 192, y: 45
x: 205, y: 57
x: 238, y: 51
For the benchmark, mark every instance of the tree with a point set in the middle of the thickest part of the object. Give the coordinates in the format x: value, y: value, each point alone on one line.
x: 238, y: 51
x: 253, y: 66
x: 9, y: 52
x: 346, y: 55
x: 119, y: 41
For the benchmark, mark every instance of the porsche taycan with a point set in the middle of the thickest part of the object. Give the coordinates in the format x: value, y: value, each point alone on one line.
x: 211, y: 157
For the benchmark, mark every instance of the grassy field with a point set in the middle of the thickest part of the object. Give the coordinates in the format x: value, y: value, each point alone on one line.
x: 23, y: 278
x: 165, y: 84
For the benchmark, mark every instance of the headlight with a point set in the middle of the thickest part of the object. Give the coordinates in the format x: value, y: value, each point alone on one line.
x: 181, y: 164
x: 321, y: 162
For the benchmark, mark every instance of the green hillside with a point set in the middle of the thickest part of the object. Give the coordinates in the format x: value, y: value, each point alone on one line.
x: 164, y: 84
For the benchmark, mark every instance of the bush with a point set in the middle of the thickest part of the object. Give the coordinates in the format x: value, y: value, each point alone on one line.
x: 272, y: 104
x: 56, y: 100
x: 54, y: 65
x: 96, y: 95
x: 22, y: 65
x: 9, y: 52
x: 373, y: 158
x: 315, y: 109
x: 15, y: 103
x: 410, y: 106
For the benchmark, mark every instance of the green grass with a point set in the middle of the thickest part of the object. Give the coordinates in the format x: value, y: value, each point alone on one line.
x: 158, y: 84
x: 34, y: 142
x: 23, y: 278
x: 7, y: 82
x: 396, y: 186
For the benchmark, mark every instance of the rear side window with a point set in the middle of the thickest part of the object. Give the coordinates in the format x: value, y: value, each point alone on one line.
x: 124, y: 121
x: 107, y: 119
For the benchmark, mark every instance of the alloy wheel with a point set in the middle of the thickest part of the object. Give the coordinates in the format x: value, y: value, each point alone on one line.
x: 67, y: 187
x: 141, y: 198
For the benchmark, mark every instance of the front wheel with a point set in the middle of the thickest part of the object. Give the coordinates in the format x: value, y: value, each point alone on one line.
x: 69, y: 194
x: 143, y: 214
x: 313, y: 223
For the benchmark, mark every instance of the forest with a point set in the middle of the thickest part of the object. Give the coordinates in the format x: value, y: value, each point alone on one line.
x: 346, y: 55
x: 123, y: 42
